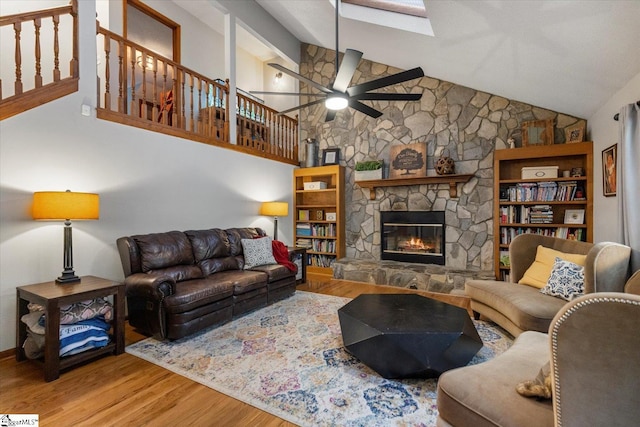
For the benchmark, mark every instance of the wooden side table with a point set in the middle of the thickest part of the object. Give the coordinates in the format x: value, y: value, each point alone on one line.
x: 298, y: 256
x: 52, y: 296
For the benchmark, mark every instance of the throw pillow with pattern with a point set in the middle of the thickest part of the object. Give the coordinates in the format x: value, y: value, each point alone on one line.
x: 566, y: 280
x: 257, y: 252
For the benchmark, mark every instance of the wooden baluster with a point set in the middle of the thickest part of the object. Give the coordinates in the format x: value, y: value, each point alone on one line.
x: 17, y: 28
x: 154, y: 110
x: 201, y: 111
x: 56, y: 49
x: 207, y: 112
x: 134, y: 110
x: 38, y: 76
x: 174, y: 87
x: 143, y: 100
x: 191, y: 122
x: 296, y: 145
x: 107, y: 72
x: 227, y: 114
x: 121, y: 78
x: 164, y: 96
x: 183, y: 116
x: 73, y: 64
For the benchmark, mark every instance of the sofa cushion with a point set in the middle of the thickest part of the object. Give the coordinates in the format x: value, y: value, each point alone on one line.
x: 162, y: 250
x: 212, y: 250
x: 274, y: 272
x: 179, y: 272
x: 242, y: 280
x: 196, y: 293
x: 237, y: 234
x: 485, y: 394
x: 538, y: 273
x: 257, y: 252
x: 566, y: 281
x: 523, y: 305
x: 213, y: 243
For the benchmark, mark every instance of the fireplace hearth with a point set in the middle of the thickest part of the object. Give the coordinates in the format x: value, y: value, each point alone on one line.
x: 413, y: 236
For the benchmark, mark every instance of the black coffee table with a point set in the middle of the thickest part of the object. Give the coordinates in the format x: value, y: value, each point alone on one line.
x: 408, y: 335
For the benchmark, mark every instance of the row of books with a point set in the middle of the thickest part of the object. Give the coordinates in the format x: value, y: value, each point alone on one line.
x: 507, y: 234
x: 537, y: 214
x: 316, y: 230
x: 328, y: 246
x: 320, y: 260
x: 546, y: 191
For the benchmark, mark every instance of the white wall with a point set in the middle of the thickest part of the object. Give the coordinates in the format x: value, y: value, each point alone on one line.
x: 147, y: 182
x: 604, y: 131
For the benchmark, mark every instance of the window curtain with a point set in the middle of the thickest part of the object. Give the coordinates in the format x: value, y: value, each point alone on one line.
x: 628, y: 179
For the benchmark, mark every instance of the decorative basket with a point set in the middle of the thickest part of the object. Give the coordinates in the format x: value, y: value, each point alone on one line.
x: 445, y: 164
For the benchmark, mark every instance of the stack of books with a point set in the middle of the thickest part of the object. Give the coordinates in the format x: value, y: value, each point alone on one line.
x: 541, y: 214
x: 303, y: 229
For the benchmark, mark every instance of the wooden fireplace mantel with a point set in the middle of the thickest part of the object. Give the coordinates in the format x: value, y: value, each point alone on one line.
x: 453, y: 181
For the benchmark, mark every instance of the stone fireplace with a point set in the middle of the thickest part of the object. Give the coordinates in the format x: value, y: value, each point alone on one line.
x: 465, y: 124
x: 413, y: 236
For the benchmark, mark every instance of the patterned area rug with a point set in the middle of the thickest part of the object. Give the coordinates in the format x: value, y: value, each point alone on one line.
x: 288, y: 359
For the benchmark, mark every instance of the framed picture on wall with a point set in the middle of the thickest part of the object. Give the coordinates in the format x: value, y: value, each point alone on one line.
x: 330, y: 156
x: 609, y: 162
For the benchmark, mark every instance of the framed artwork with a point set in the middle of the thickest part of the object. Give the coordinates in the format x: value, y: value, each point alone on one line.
x: 574, y: 133
x: 574, y: 216
x: 330, y: 156
x: 408, y: 160
x: 538, y: 132
x: 609, y: 162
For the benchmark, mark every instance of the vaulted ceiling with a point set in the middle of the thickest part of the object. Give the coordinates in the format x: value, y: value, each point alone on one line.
x: 567, y: 56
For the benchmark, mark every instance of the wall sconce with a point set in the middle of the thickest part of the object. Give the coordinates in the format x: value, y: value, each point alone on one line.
x: 147, y: 65
x: 278, y: 78
x: 65, y: 206
x: 274, y: 209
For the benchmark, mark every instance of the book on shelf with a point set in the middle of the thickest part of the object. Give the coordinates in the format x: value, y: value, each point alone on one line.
x: 545, y: 191
x: 303, y: 229
x: 303, y: 215
x: 304, y: 243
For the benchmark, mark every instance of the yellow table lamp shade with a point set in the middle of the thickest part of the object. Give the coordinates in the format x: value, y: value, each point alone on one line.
x: 274, y: 208
x: 65, y: 205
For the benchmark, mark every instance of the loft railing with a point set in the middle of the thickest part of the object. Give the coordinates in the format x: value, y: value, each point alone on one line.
x: 31, y: 31
x: 140, y: 88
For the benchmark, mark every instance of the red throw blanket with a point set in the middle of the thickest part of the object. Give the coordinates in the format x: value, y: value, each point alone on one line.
x: 281, y: 254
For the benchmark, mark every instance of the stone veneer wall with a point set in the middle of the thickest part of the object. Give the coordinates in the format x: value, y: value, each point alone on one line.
x: 469, y: 124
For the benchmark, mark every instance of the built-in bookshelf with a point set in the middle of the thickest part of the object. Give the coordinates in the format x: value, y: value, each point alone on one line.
x: 559, y: 206
x: 319, y: 216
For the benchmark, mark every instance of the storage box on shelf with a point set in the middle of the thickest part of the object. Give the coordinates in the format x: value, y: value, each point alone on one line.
x: 533, y: 196
x: 319, y: 216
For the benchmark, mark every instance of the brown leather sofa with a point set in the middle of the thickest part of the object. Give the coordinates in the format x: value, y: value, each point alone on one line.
x: 178, y: 283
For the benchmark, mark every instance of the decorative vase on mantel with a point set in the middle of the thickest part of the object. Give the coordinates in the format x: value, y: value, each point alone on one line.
x: 368, y: 170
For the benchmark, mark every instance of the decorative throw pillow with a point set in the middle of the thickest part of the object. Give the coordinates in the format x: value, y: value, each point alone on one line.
x: 540, y: 386
x: 537, y: 275
x: 566, y: 281
x: 257, y: 252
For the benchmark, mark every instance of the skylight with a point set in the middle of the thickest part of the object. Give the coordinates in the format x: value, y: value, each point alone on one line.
x: 406, y: 15
x: 406, y: 7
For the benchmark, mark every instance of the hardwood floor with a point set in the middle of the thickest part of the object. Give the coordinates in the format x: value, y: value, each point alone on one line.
x: 128, y: 391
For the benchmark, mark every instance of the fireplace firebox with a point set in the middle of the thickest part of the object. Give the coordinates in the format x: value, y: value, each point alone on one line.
x: 413, y: 236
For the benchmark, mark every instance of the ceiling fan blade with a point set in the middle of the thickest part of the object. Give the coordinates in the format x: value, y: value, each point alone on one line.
x: 258, y: 92
x: 372, y: 96
x: 300, y: 77
x: 393, y: 79
x: 348, y: 66
x: 331, y: 114
x: 357, y: 105
x: 308, y: 104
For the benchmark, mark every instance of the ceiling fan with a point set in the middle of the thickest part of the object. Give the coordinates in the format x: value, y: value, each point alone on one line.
x: 339, y: 95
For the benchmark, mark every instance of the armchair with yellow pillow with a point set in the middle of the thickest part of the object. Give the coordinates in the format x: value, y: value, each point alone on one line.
x: 547, y: 273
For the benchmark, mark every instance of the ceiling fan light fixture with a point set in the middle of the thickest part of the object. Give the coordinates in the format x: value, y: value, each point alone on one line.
x: 336, y: 102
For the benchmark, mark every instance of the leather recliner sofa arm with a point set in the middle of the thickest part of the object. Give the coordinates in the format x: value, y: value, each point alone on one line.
x: 145, y: 296
x: 149, y: 286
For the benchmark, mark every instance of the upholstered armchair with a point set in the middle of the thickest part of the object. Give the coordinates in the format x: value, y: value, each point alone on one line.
x: 593, y: 346
x: 520, y: 307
